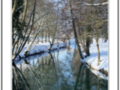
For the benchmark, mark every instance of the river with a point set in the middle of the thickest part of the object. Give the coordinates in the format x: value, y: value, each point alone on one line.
x: 61, y: 70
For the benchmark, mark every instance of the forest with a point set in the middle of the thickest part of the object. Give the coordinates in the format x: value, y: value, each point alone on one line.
x: 48, y: 36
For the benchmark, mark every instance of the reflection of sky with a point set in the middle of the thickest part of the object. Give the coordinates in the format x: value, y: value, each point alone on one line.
x: 65, y: 59
x: 73, y: 44
x: 63, y: 54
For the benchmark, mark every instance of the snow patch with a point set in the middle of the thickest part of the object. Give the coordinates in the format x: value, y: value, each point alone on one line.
x: 39, y: 47
x: 92, y: 60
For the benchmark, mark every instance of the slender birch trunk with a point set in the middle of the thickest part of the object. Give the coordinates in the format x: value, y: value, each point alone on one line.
x: 98, y: 50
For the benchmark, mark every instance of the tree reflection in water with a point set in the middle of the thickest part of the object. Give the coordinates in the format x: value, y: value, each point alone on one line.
x: 58, y: 71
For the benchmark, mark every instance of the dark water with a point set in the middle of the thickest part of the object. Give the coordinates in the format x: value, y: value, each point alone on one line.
x: 57, y: 71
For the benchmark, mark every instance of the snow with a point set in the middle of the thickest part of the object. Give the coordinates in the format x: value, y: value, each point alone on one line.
x: 36, y: 48
x: 34, y: 57
x: 98, y: 73
x: 92, y: 59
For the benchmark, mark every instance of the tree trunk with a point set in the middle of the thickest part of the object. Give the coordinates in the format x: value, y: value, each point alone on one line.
x: 13, y: 78
x: 24, y: 12
x: 75, y: 34
x: 14, y: 6
x: 38, y: 39
x: 98, y: 51
x: 42, y: 36
x: 87, y: 46
x: 50, y: 46
x: 22, y: 45
x: 45, y: 37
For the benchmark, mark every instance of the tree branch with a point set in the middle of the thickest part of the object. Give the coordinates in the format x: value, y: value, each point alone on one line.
x: 94, y: 4
x: 14, y: 7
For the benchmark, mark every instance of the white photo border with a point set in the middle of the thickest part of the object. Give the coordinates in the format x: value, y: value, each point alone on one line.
x: 6, y: 33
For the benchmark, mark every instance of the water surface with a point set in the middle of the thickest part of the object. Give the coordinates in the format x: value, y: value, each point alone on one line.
x: 57, y: 71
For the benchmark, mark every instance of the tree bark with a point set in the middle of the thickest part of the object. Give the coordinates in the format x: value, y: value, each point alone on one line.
x: 21, y: 47
x: 98, y: 51
x: 50, y: 46
x: 87, y: 46
x: 75, y: 34
x: 14, y: 7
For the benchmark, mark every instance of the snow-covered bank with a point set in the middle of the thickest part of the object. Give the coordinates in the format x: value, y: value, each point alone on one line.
x: 92, y: 60
x: 43, y: 47
x: 98, y: 73
x: 39, y: 48
x: 34, y: 57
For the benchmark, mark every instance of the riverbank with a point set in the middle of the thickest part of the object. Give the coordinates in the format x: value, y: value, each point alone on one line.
x: 44, y: 47
x: 92, y: 60
x: 40, y: 48
x: 100, y: 71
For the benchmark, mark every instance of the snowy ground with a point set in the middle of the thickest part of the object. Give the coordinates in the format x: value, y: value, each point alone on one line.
x: 92, y: 59
x: 36, y: 48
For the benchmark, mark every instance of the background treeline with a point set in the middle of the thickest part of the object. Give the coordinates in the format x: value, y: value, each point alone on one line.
x: 49, y: 20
